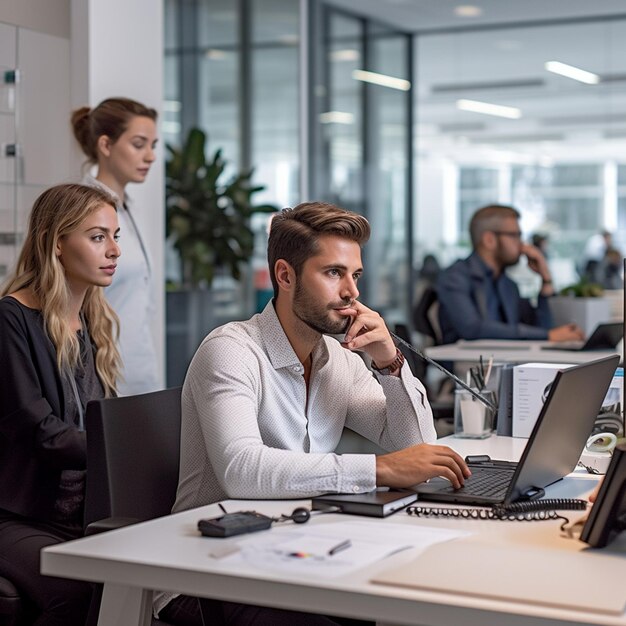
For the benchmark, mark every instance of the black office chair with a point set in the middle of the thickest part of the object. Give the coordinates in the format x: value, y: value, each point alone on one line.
x: 417, y: 365
x: 425, y: 316
x: 133, y: 451
x: 426, y: 322
x: 12, y: 606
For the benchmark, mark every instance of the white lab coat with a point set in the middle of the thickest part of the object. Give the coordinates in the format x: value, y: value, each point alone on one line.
x: 131, y: 294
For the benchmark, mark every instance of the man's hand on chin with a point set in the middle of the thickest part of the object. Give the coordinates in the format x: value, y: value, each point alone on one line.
x: 369, y: 333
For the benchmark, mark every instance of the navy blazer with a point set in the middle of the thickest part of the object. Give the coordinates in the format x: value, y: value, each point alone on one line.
x: 36, y: 442
x: 464, y: 312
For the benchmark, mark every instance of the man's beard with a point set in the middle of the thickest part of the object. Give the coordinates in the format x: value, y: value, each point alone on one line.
x: 307, y: 309
x: 507, y: 262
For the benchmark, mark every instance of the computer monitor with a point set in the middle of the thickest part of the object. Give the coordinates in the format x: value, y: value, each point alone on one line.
x: 607, y: 517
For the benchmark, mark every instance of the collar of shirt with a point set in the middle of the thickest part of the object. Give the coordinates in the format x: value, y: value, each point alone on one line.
x: 276, y: 344
x: 480, y: 268
x: 90, y: 181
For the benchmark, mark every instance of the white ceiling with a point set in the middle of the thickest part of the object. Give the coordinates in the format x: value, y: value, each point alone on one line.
x: 421, y: 15
x: 561, y: 118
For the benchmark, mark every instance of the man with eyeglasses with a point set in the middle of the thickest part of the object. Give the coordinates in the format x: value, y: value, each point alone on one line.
x: 477, y: 300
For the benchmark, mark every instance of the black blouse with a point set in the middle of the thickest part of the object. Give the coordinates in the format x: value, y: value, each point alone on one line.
x: 38, y: 436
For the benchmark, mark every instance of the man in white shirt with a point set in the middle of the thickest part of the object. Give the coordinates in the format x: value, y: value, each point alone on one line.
x: 265, y: 401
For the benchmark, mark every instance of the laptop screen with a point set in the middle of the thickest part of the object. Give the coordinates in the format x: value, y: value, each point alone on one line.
x: 563, y: 426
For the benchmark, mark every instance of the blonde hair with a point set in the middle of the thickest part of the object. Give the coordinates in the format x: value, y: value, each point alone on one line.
x: 111, y: 118
x: 57, y: 212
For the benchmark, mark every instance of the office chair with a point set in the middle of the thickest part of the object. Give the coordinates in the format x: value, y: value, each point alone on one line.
x: 417, y: 365
x: 426, y: 322
x: 11, y: 605
x: 133, y: 451
x: 441, y: 409
x: 426, y: 316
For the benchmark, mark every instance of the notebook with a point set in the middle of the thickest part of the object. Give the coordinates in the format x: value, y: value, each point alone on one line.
x: 377, y: 503
x: 553, y: 449
x: 604, y: 337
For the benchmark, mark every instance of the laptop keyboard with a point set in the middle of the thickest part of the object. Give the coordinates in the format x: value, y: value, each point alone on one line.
x: 492, y: 483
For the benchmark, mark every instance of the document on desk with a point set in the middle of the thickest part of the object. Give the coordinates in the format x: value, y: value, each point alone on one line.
x: 334, y: 549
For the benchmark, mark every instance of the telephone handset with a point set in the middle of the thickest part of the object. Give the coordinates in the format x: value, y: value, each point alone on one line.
x: 607, y: 517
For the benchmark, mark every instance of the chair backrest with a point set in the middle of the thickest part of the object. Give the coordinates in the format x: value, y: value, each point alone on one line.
x: 417, y: 365
x: 425, y: 315
x: 133, y: 452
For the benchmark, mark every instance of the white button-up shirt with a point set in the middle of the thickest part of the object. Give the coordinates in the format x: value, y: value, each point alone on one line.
x: 250, y: 431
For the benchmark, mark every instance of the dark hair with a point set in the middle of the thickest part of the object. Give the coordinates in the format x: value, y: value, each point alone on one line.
x: 489, y: 218
x: 111, y: 118
x: 295, y: 233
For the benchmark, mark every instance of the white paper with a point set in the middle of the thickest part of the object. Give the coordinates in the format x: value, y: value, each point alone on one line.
x: 299, y: 549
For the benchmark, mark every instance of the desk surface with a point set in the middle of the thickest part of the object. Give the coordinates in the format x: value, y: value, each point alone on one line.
x: 168, y: 554
x: 511, y: 351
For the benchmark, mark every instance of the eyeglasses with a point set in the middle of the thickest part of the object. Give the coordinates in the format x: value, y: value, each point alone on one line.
x: 515, y: 234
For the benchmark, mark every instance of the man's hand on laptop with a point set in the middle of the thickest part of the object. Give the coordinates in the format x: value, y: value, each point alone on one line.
x: 419, y: 463
x: 567, y: 332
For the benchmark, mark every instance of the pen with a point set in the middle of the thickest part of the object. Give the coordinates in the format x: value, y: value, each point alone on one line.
x: 344, y: 545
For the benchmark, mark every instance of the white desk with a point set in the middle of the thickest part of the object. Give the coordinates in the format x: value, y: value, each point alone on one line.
x: 510, y: 351
x: 168, y: 553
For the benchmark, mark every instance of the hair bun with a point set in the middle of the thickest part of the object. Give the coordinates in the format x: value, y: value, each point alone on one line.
x: 82, y: 130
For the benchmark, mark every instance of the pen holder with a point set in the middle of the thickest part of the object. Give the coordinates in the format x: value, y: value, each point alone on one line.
x: 472, y: 419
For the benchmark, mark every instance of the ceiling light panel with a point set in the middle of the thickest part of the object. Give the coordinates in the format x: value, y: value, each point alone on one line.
x: 381, y: 79
x: 488, y: 108
x: 570, y: 71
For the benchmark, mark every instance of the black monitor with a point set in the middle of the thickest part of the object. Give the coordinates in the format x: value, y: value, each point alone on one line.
x: 607, y: 517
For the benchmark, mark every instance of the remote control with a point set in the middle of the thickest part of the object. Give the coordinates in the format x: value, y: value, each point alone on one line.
x: 234, y: 524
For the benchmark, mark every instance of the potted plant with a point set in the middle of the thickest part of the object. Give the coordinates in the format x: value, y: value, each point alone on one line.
x: 582, y: 303
x: 208, y: 219
x: 208, y: 225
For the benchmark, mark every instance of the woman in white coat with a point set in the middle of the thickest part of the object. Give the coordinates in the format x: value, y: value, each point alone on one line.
x: 119, y: 137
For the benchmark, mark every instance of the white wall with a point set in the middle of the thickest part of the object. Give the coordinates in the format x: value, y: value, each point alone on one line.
x: 117, y: 50
x: 45, y: 16
x: 34, y: 39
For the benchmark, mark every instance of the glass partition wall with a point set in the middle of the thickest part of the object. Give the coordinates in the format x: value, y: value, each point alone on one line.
x: 361, y: 129
x: 402, y: 128
x: 235, y: 70
x: 497, y: 123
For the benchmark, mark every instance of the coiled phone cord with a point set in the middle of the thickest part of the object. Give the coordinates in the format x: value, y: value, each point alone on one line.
x: 530, y: 511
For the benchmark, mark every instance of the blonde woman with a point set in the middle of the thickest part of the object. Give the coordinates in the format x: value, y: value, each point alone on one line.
x: 58, y: 351
x: 119, y: 136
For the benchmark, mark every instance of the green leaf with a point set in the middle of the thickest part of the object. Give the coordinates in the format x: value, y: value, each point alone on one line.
x: 207, y: 219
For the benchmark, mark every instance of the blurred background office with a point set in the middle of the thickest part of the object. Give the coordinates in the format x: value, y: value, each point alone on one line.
x: 414, y: 113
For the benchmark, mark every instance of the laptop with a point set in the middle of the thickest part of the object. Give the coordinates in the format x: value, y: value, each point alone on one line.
x: 555, y: 445
x: 604, y: 337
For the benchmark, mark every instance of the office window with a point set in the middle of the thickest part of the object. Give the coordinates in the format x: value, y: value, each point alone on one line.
x: 218, y: 78
x: 275, y: 100
x: 362, y: 100
x: 621, y: 204
x: 551, y: 152
x: 477, y: 187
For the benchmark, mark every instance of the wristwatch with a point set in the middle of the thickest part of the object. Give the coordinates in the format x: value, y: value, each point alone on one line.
x: 393, y: 367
